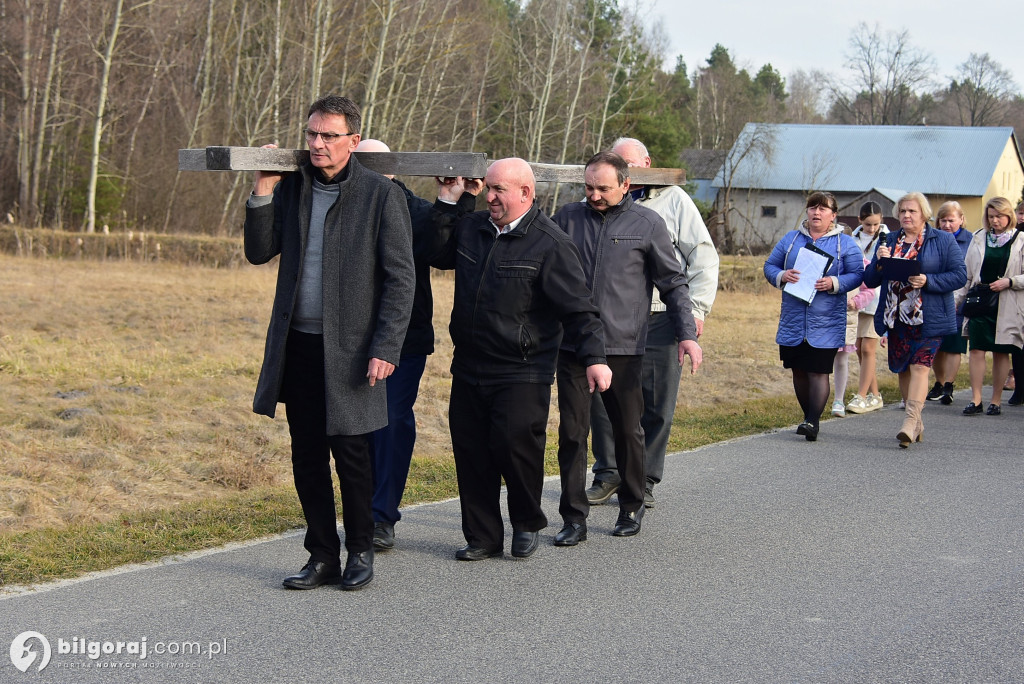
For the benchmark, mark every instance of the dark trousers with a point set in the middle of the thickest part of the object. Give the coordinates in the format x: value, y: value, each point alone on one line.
x: 393, y: 445
x: 499, y: 431
x: 304, y: 395
x: 624, y: 401
x: 660, y: 383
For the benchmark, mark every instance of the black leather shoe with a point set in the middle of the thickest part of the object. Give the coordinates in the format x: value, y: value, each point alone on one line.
x: 993, y: 410
x: 649, y: 499
x: 475, y: 553
x: 358, y: 570
x: 599, y: 492
x: 313, y: 574
x: 808, y: 430
x: 973, y: 409
x: 383, y: 536
x: 628, y: 524
x: 524, y: 543
x: 1015, y: 399
x: 571, y: 534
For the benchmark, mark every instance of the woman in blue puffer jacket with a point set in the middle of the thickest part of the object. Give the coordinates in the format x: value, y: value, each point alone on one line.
x: 810, y: 333
x: 918, y: 312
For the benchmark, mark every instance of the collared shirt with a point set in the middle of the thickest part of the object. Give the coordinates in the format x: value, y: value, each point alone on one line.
x: 510, y: 227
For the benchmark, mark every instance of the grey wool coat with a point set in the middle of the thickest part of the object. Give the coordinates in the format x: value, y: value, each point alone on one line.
x: 368, y: 282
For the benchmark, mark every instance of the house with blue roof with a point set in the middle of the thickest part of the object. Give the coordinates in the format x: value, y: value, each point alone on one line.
x: 770, y: 170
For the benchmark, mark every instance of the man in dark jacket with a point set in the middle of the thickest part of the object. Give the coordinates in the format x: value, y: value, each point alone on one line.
x: 393, y: 444
x: 518, y: 283
x: 626, y: 252
x: 344, y: 294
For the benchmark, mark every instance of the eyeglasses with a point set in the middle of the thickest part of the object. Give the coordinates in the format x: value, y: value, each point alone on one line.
x: 328, y: 138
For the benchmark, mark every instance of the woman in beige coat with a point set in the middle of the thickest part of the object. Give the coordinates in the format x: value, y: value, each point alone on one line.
x: 996, y: 257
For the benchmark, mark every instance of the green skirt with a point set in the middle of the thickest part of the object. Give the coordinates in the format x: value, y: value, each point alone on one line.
x: 982, y: 333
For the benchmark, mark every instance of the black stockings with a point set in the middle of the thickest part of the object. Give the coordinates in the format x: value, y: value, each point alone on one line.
x: 1017, y: 358
x: 812, y: 391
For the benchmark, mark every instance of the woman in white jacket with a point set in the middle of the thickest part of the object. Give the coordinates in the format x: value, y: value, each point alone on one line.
x: 995, y: 257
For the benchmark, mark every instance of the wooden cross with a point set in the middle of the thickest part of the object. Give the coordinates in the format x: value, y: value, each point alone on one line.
x: 466, y: 164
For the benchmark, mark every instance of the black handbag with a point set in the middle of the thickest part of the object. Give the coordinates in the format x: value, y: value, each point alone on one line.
x: 981, y: 301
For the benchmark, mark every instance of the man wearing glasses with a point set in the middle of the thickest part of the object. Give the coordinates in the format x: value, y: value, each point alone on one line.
x: 344, y: 295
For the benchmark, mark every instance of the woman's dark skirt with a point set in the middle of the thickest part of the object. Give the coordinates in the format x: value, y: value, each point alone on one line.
x: 807, y: 358
x: 954, y: 344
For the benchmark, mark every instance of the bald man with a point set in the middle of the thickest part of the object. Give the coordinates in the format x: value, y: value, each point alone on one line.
x: 519, y: 283
x: 393, y: 445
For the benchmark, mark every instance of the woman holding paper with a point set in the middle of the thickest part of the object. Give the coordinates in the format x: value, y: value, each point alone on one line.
x: 916, y: 310
x: 815, y: 266
x: 995, y: 256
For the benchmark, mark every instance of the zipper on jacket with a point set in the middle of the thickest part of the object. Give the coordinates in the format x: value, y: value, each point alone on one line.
x: 525, y: 342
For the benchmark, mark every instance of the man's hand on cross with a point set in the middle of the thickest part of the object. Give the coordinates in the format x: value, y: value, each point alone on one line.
x: 266, y: 180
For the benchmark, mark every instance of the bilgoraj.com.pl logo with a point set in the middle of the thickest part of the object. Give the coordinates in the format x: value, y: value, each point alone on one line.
x: 32, y: 649
x: 28, y: 646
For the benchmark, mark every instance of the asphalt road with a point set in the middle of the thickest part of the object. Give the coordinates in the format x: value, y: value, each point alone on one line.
x: 766, y: 559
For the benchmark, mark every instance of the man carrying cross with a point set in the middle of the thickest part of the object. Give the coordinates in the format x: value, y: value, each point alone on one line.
x: 344, y: 295
x: 626, y: 253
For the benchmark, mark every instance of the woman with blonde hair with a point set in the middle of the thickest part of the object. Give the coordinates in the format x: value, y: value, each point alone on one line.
x: 995, y: 258
x: 950, y: 218
x: 915, y: 310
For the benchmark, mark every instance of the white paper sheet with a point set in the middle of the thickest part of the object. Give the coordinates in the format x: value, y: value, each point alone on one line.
x: 812, y: 266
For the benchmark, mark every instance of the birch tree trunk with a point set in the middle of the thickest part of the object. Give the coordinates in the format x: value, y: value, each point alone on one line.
x: 44, y: 118
x: 24, y: 129
x: 387, y: 11
x: 101, y: 105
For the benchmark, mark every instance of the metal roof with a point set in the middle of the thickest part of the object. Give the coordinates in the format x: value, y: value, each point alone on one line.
x: 947, y: 160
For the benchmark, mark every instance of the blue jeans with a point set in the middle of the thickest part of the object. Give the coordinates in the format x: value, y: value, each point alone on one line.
x: 660, y: 384
x: 393, y: 445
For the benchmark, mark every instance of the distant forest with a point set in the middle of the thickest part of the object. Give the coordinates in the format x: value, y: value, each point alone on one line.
x: 97, y: 97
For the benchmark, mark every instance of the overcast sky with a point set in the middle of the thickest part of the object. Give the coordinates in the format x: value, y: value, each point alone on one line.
x: 806, y: 34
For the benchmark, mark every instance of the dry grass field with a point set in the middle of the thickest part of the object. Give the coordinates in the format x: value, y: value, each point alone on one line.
x: 126, y: 387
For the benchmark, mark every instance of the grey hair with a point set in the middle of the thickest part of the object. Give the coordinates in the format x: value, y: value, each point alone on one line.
x: 635, y: 143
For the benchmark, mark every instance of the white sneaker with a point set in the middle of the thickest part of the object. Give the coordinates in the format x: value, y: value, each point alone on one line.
x: 838, y: 410
x: 874, y: 402
x: 857, y: 405
x: 903, y: 404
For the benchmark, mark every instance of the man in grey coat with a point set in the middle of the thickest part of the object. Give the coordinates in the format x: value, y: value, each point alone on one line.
x: 344, y: 295
x: 626, y: 253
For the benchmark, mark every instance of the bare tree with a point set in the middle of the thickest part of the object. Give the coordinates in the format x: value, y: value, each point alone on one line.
x: 99, y: 118
x: 888, y: 71
x: 982, y: 92
x: 808, y: 92
x: 752, y: 153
